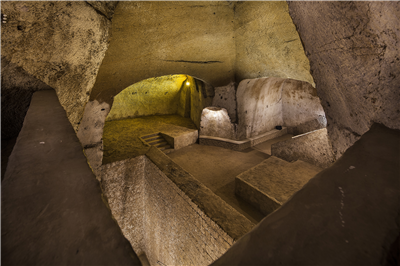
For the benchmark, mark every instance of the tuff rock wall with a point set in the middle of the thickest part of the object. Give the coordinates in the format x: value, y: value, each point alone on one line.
x: 267, y: 43
x: 152, y: 39
x: 353, y: 48
x: 59, y: 43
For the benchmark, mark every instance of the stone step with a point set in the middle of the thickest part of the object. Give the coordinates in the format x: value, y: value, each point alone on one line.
x: 166, y: 151
x: 151, y: 135
x: 272, y: 182
x: 155, y: 141
x: 163, y: 145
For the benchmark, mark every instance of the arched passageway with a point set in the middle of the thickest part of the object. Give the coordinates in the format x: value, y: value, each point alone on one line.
x: 170, y: 105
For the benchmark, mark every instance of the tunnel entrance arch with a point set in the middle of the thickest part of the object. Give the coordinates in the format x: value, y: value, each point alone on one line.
x: 167, y: 108
x: 179, y: 94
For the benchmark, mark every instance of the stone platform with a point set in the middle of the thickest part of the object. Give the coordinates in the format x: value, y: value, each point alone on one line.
x: 271, y: 183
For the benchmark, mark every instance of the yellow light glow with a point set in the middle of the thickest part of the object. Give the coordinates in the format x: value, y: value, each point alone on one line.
x: 188, y: 83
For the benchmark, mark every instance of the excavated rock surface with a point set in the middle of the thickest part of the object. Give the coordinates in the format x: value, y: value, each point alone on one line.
x: 353, y: 48
x: 60, y: 43
x: 267, y: 43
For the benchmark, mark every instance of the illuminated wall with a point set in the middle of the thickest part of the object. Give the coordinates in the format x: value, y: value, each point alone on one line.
x: 154, y: 96
x: 166, y: 95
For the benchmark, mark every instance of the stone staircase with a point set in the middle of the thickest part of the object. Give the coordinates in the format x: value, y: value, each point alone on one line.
x: 157, y: 140
x: 272, y: 182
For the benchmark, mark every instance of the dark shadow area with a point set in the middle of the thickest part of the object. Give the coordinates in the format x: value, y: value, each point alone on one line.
x: 7, y: 146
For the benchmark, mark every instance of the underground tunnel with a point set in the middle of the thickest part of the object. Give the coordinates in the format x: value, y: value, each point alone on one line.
x: 200, y: 133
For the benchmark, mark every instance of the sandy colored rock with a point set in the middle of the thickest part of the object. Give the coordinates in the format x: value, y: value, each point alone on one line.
x: 215, y: 122
x: 268, y: 185
x: 225, y: 97
x: 300, y: 103
x: 267, y: 43
x: 353, y: 48
x: 154, y: 96
x: 60, y: 43
x: 152, y: 39
x: 312, y: 147
x: 259, y: 106
x: 345, y: 215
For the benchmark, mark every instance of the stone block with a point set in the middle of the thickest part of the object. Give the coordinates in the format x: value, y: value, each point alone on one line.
x: 313, y: 147
x: 271, y: 183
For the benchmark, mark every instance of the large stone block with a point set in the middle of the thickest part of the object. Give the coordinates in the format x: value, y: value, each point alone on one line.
x: 271, y: 183
x: 312, y: 147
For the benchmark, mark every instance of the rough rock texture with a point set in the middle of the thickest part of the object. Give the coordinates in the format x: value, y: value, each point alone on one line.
x: 268, y: 185
x: 152, y: 39
x: 311, y: 125
x: 52, y: 209
x: 90, y: 133
x: 267, y: 43
x: 178, y: 231
x: 17, y: 88
x: 265, y: 103
x: 105, y: 8
x: 215, y: 122
x: 60, y: 43
x: 300, y: 103
x: 353, y: 48
x: 200, y: 98
x: 178, y: 139
x: 314, y: 148
x: 167, y: 214
x: 123, y: 186
x: 225, y: 97
x: 154, y: 96
x: 259, y: 106
x: 226, y: 217
x: 347, y: 214
x: 122, y: 138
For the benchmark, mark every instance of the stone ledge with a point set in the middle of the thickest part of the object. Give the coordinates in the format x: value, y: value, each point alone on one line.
x: 232, y: 222
x: 312, y: 147
x: 271, y: 183
x: 239, y: 145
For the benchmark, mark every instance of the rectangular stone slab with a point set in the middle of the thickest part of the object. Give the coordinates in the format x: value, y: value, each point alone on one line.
x: 271, y: 183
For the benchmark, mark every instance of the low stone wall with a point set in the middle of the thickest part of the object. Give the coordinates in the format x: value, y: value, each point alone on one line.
x: 166, y: 213
x: 313, y: 148
x: 239, y: 145
x: 123, y: 186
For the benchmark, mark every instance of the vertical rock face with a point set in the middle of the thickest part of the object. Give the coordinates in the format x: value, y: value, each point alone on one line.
x: 225, y: 97
x: 267, y: 43
x: 59, y: 43
x: 353, y: 48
